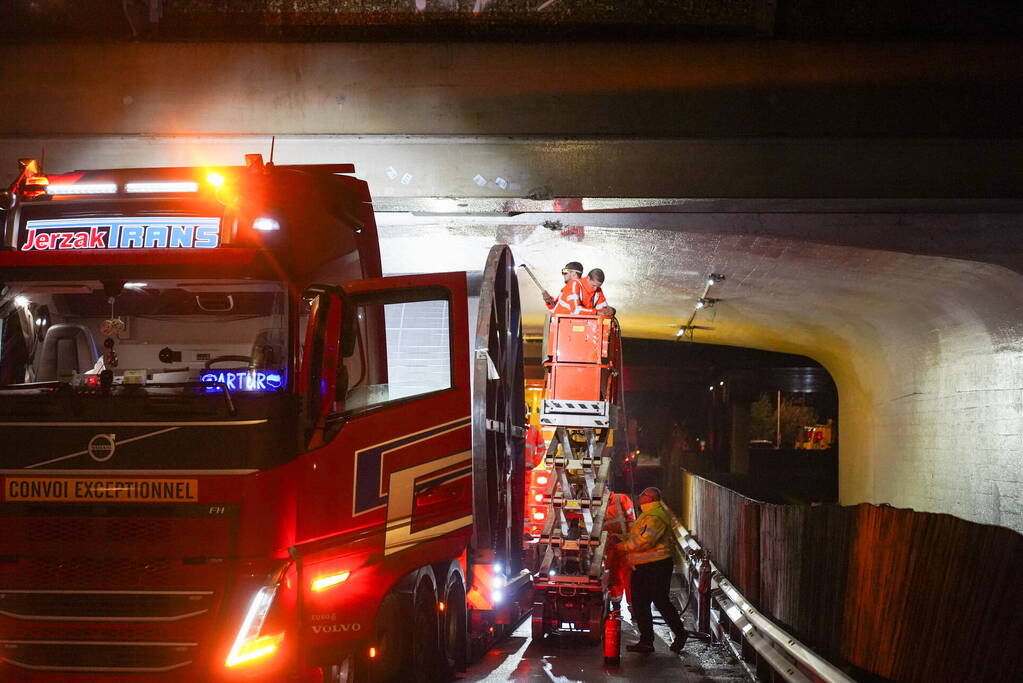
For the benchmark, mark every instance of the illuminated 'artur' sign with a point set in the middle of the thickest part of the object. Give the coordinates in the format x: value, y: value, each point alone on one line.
x: 65, y: 234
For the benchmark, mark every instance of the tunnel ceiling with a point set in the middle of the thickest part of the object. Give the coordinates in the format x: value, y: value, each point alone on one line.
x: 778, y: 294
x: 508, y: 19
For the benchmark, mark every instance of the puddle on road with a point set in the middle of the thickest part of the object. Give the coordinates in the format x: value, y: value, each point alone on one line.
x: 567, y: 659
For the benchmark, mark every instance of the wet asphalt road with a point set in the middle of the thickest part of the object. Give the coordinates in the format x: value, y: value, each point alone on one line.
x: 567, y: 660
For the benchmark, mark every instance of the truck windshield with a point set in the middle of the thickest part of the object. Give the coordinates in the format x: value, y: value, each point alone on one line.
x: 168, y: 334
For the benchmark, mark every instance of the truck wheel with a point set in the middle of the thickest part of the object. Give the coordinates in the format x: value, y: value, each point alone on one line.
x: 353, y: 669
x: 453, y: 628
x: 424, y: 661
x: 390, y: 645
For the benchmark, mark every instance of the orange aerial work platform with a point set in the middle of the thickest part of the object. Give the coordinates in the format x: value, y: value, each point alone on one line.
x: 581, y: 375
x: 567, y: 493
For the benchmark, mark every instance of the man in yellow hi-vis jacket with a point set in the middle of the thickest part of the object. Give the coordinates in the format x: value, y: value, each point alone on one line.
x: 652, y: 564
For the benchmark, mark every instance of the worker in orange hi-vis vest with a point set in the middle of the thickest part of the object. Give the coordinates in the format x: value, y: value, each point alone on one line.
x: 536, y: 447
x: 570, y: 301
x: 619, y: 518
x: 593, y: 294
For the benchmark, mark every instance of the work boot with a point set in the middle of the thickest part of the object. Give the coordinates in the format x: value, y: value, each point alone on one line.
x: 678, y: 644
x: 645, y: 648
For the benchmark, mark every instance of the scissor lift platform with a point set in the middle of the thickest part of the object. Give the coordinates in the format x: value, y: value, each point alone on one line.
x: 581, y: 399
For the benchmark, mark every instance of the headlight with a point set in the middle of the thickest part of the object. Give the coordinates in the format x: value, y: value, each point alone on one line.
x: 252, y: 643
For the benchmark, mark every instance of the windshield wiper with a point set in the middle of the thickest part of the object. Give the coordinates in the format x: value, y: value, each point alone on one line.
x: 28, y: 386
x: 166, y: 385
x: 172, y: 385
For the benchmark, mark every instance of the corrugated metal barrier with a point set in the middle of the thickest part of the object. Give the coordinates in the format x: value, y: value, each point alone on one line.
x: 904, y: 595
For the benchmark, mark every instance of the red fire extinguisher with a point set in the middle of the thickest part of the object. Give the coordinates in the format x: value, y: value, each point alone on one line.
x: 613, y: 638
x: 703, y: 595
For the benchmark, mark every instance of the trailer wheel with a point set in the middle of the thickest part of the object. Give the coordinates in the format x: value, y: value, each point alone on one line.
x: 424, y: 660
x: 454, y: 629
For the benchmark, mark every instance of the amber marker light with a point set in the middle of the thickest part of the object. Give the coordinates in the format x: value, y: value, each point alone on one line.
x: 257, y: 648
x: 441, y: 606
x: 372, y: 653
x: 214, y: 179
x: 325, y: 582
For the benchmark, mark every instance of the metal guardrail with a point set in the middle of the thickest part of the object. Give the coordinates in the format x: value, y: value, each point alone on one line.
x: 788, y: 658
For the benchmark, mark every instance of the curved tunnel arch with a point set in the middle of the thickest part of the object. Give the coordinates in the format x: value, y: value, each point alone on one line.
x: 927, y: 352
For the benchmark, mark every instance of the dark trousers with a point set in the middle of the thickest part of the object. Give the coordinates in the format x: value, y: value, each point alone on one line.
x: 651, y: 583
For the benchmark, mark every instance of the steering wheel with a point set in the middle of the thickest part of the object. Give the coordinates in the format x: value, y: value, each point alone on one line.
x: 220, y: 359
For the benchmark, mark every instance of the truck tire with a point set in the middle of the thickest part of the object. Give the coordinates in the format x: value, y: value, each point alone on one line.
x: 352, y: 669
x: 454, y: 628
x: 391, y: 644
x: 424, y: 662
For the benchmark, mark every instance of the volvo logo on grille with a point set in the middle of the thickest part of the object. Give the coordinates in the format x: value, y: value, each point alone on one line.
x: 102, y: 446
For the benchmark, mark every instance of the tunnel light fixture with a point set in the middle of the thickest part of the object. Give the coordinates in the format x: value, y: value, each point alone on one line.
x: 160, y: 187
x: 81, y: 188
x: 21, y: 301
x: 706, y: 302
x: 714, y: 278
x: 136, y: 285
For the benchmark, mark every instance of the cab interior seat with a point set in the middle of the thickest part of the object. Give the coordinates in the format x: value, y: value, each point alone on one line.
x: 268, y: 349
x: 67, y: 348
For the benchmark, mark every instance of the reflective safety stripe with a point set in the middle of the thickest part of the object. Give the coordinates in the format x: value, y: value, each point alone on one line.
x: 619, y: 508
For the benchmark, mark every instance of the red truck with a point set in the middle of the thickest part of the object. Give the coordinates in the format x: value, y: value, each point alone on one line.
x: 232, y: 450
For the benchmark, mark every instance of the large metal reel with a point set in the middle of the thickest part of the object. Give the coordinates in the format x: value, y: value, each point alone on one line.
x: 498, y: 412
